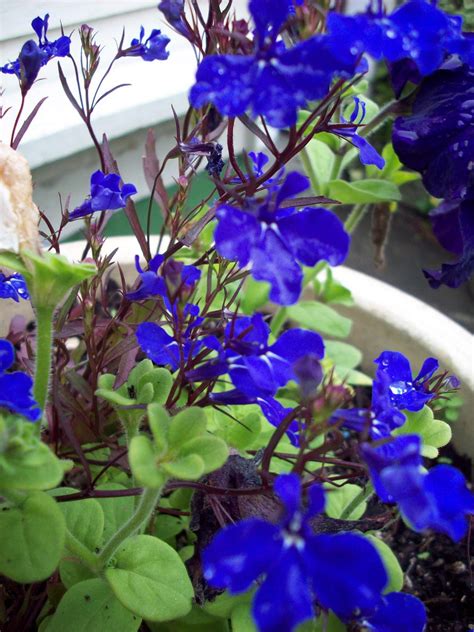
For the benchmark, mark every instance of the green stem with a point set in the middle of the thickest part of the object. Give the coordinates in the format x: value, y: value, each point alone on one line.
x: 355, y: 217
x: 44, y: 339
x: 310, y: 172
x: 80, y: 551
x: 364, y: 495
x: 147, y: 504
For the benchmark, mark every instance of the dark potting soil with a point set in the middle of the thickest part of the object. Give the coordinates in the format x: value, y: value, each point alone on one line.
x: 438, y: 572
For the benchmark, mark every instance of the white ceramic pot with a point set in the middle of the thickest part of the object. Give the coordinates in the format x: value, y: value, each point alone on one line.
x: 383, y: 318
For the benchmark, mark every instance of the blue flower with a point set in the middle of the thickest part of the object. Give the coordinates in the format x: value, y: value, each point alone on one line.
x: 439, y: 499
x: 367, y: 154
x: 380, y: 419
x: 437, y: 138
x: 106, y: 195
x: 173, y: 11
x: 342, y: 572
x: 164, y: 349
x: 275, y: 241
x: 399, y: 612
x: 399, y: 452
x: 407, y: 392
x: 151, y: 283
x: 33, y: 56
x: 14, y: 287
x: 459, y: 237
x: 256, y: 368
x: 16, y: 388
x: 154, y: 47
x: 417, y: 31
x: 273, y: 81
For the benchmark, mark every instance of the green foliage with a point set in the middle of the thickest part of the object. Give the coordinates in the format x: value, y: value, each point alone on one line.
x: 254, y: 295
x: 146, y: 384
x: 26, y: 463
x: 242, y: 620
x: 180, y: 448
x: 330, y: 290
x: 338, y: 500
x: 393, y: 169
x: 392, y: 565
x: 116, y: 510
x: 31, y: 538
x: 320, y: 318
x: 433, y: 432
x: 91, y: 606
x: 196, y: 621
x: 363, y: 191
x: 324, y: 623
x: 345, y: 358
x: 149, y: 579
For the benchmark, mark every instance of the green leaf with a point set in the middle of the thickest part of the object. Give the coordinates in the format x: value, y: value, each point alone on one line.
x: 339, y: 498
x: 329, y: 623
x: 159, y: 422
x: 196, y: 621
x: 91, y: 606
x: 31, y: 538
x: 343, y: 354
x: 322, y: 160
x: 434, y: 433
x: 320, y: 318
x: 186, y: 425
x: 160, y: 380
x: 392, y: 565
x: 255, y: 295
x: 85, y: 520
x: 402, y: 177
x: 353, y: 377
x: 242, y: 620
x: 243, y: 433
x: 187, y: 468
x: 363, y: 191
x: 142, y: 459
x: 31, y: 466
x: 211, y: 450
x: 224, y: 604
x: 150, y: 579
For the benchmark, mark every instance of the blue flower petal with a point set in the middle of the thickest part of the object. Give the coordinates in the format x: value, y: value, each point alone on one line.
x: 294, y: 344
x: 7, y: 355
x: 352, y: 587
x: 399, y: 612
x: 236, y: 234
x: 284, y: 599
x: 241, y: 553
x: 314, y: 234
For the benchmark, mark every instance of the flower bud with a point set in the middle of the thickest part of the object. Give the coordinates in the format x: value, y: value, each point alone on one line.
x: 19, y: 216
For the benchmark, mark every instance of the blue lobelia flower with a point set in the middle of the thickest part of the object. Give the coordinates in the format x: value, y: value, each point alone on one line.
x: 16, y: 388
x: 457, y: 234
x: 256, y: 368
x: 399, y: 612
x: 106, y: 195
x: 153, y: 48
x: 399, y: 452
x: 342, y: 572
x: 380, y: 419
x: 275, y: 240
x: 368, y: 155
x: 417, y: 31
x: 439, y: 499
x: 407, y: 392
x: 33, y: 56
x: 173, y: 11
x: 273, y: 81
x: 14, y: 287
x: 437, y: 138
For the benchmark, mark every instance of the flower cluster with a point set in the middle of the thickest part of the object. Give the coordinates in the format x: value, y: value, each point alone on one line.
x: 16, y: 387
x: 299, y: 568
x: 35, y: 55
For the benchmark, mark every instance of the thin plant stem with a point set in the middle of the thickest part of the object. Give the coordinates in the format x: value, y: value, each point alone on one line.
x: 355, y: 217
x: 79, y: 550
x: 310, y: 171
x: 148, y: 501
x: 44, y: 339
x: 363, y: 496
